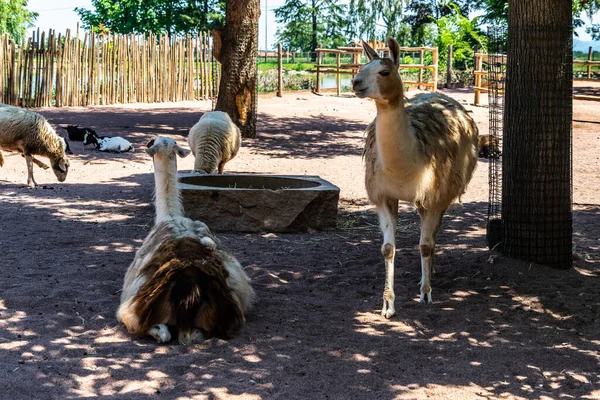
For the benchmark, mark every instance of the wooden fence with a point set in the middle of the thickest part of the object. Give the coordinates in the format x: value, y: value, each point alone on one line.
x: 55, y: 70
x: 482, y: 87
x: 353, y: 67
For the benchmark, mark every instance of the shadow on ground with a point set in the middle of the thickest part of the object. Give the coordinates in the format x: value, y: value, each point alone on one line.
x: 497, y: 327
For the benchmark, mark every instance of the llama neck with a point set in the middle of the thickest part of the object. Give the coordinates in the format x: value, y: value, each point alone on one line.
x: 167, y: 196
x: 396, y: 145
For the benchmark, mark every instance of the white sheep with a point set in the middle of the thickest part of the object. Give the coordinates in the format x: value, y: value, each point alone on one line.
x: 30, y: 134
x: 214, y: 140
x: 114, y: 144
x: 181, y: 277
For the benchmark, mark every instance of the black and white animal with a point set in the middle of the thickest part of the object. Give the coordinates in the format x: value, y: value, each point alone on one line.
x: 214, y: 140
x: 76, y: 133
x: 181, y: 279
x: 114, y: 144
x: 30, y: 134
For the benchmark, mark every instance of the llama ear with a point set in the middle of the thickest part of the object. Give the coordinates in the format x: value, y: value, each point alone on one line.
x: 181, y: 152
x: 371, y: 54
x: 151, y: 151
x: 394, y: 50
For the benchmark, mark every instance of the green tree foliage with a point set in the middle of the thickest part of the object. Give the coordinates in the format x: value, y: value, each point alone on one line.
x: 312, y: 22
x: 496, y: 11
x: 15, y: 18
x: 175, y: 17
x: 378, y: 19
x: 463, y: 34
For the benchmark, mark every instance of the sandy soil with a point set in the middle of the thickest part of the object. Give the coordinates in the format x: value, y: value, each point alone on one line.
x: 498, y: 328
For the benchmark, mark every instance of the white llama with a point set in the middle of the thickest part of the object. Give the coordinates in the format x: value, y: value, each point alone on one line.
x: 423, y: 152
x: 181, y: 277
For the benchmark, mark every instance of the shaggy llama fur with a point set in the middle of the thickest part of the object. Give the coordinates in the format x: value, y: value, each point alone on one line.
x: 423, y: 151
x: 181, y: 278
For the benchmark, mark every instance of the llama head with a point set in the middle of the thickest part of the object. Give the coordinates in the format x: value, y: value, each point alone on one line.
x: 379, y: 79
x: 163, y: 147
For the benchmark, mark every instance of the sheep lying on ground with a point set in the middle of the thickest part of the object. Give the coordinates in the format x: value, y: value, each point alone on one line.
x: 181, y: 277
x: 104, y: 143
x: 214, y: 140
x: 77, y: 134
x: 30, y: 134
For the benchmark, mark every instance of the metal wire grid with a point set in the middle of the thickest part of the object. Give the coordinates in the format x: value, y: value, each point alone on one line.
x: 496, y: 65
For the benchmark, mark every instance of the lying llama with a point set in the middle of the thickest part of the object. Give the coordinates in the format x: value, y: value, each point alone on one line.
x: 489, y: 147
x: 76, y: 133
x: 214, y: 140
x: 114, y: 144
x: 423, y: 152
x: 30, y: 134
x: 181, y: 277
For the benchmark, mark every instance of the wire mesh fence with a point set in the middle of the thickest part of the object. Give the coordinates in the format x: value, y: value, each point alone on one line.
x: 496, y: 65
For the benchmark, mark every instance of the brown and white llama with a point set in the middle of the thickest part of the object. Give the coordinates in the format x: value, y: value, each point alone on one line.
x: 423, y: 152
x: 181, y: 278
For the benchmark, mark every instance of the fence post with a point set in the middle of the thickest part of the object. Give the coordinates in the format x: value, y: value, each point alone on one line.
x: 478, y: 70
x: 279, y: 72
x: 589, y: 66
x: 449, y: 67
x: 421, y: 62
x: 338, y: 75
x: 319, y: 59
x: 435, y: 57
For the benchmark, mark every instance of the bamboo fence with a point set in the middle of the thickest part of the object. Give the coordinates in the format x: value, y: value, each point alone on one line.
x: 56, y: 70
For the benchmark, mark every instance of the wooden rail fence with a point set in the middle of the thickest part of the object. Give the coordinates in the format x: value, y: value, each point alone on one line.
x: 482, y: 87
x: 56, y: 70
x: 353, y: 67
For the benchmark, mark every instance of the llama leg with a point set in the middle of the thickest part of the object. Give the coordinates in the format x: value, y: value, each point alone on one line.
x: 30, y: 181
x: 1, y: 160
x: 388, y: 221
x: 161, y: 333
x: 430, y: 224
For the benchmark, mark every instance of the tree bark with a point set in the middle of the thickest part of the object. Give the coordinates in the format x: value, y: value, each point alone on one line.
x: 237, y: 54
x: 537, y: 174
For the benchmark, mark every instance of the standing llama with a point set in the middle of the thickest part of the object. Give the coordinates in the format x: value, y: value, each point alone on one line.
x: 181, y: 277
x: 423, y: 152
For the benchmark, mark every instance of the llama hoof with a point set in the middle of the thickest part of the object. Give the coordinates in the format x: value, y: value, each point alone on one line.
x: 388, y: 310
x: 425, y: 295
x: 161, y: 333
x: 191, y: 337
x: 31, y: 185
x: 208, y: 243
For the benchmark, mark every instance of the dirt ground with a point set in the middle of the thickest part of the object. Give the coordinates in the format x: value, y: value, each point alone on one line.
x: 498, y: 328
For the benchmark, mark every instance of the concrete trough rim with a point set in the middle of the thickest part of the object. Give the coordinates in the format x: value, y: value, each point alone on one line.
x: 322, y: 184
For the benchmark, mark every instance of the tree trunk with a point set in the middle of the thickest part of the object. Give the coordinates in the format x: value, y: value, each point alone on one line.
x: 238, y: 51
x: 313, y: 43
x: 537, y: 176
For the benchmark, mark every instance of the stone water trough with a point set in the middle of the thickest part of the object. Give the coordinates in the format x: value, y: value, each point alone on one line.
x: 260, y: 203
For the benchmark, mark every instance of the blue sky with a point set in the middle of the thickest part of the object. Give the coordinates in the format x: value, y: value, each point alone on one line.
x: 59, y: 15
